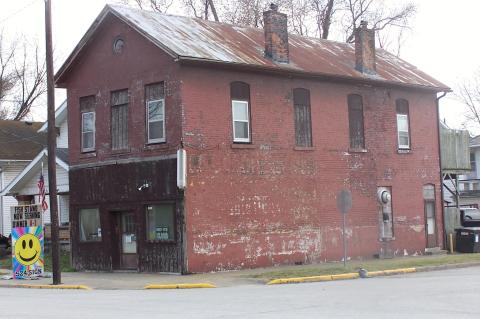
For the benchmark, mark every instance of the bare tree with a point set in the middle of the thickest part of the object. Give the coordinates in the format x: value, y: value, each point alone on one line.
x: 22, y: 78
x: 388, y: 21
x: 468, y: 92
x: 201, y: 8
x: 155, y: 5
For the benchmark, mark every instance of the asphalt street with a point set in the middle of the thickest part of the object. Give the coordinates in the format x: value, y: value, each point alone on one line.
x: 451, y: 293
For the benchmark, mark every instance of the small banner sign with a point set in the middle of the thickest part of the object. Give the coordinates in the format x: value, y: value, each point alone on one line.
x: 27, y: 242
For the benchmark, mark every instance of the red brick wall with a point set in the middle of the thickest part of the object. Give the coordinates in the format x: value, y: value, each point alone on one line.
x: 273, y: 204
x: 99, y: 71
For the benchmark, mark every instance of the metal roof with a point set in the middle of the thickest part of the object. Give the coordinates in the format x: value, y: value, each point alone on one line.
x: 200, y: 40
x: 20, y: 140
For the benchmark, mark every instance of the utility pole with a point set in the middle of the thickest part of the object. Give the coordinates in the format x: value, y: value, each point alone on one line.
x: 51, y: 143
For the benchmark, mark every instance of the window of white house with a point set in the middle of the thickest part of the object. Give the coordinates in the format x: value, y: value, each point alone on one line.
x: 156, y: 121
x: 241, y: 123
x: 89, y: 222
x: 88, y: 131
x: 240, y: 97
x: 403, y: 127
x: 160, y: 222
x: 155, y: 112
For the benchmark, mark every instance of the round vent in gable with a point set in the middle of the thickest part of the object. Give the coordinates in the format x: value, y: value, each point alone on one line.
x: 118, y: 45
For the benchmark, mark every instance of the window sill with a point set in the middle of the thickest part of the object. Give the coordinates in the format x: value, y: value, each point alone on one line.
x: 88, y: 154
x: 156, y: 146
x: 385, y: 239
x: 243, y: 146
x: 404, y: 151
x: 304, y: 148
x: 167, y: 242
x: 120, y: 152
x: 357, y: 150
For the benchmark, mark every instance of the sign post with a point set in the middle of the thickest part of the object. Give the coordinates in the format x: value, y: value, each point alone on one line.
x: 27, y: 242
x: 344, y: 204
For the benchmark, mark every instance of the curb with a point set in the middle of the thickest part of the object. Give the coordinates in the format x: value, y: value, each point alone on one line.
x: 340, y: 276
x: 313, y: 279
x: 33, y: 286
x: 179, y: 286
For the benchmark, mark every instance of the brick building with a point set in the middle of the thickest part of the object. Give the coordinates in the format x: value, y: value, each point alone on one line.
x: 273, y: 125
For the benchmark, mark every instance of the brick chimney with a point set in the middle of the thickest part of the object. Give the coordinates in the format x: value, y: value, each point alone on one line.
x: 276, y: 34
x: 365, y: 49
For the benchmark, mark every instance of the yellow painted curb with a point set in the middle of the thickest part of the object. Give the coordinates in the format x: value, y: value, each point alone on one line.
x: 83, y: 287
x: 179, y: 286
x: 340, y: 276
x: 312, y: 279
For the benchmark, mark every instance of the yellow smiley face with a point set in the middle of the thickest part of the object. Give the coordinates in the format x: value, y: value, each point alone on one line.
x: 27, y: 249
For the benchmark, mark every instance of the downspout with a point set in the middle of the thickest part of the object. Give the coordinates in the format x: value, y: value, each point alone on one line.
x: 437, y: 102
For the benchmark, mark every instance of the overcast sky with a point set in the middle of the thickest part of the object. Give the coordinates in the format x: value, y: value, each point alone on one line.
x: 443, y: 42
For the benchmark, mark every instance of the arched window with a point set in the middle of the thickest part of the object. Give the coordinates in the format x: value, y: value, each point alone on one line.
x: 355, y: 121
x: 403, y: 124
x: 303, y: 120
x: 240, y: 98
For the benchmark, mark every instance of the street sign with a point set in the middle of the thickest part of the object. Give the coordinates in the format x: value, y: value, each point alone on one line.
x: 344, y: 201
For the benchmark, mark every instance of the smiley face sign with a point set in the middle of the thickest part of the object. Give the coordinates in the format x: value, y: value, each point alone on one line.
x: 27, y: 249
x: 27, y: 252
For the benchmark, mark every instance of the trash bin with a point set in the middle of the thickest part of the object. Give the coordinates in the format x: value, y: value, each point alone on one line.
x: 468, y: 240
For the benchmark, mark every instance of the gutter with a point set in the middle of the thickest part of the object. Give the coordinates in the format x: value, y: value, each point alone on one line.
x: 437, y: 102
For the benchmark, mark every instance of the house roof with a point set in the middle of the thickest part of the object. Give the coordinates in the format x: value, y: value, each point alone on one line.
x: 199, y: 40
x: 20, y: 141
x: 475, y: 141
x: 33, y: 169
x: 60, y: 116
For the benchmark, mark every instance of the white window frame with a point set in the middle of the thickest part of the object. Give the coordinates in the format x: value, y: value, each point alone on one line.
x: 83, y: 132
x: 155, y: 140
x: 241, y: 139
x: 400, y: 145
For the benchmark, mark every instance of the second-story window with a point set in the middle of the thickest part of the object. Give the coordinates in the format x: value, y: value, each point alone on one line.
x: 87, y: 109
x: 155, y: 112
x: 240, y: 97
x: 403, y: 127
x: 355, y: 121
x: 119, y: 102
x: 303, y: 121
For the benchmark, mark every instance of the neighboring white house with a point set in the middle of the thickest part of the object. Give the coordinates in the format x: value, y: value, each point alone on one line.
x: 20, y: 143
x: 24, y: 185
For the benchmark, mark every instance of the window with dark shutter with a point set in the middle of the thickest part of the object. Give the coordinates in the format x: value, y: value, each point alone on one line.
x: 240, y: 98
x: 355, y: 121
x: 303, y: 121
x: 155, y: 110
x: 403, y: 124
x: 119, y: 102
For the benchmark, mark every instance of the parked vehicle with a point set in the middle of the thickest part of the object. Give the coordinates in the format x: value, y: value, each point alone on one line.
x: 470, y: 213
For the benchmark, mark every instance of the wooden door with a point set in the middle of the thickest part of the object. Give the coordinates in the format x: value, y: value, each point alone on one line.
x: 128, y: 241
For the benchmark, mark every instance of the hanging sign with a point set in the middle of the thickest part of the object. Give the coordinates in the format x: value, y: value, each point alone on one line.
x: 27, y: 242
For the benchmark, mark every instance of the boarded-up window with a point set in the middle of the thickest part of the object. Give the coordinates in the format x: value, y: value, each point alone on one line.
x: 119, y: 102
x: 87, y: 109
x: 355, y: 121
x: 303, y: 121
x: 240, y: 97
x: 403, y: 125
x: 155, y: 110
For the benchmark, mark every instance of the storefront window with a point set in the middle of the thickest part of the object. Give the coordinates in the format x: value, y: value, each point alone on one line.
x: 160, y: 222
x: 90, y: 229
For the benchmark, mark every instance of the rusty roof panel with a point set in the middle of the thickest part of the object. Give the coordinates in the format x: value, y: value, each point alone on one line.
x: 190, y: 38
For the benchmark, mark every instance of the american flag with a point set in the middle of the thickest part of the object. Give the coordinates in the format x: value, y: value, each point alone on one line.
x: 41, y: 192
